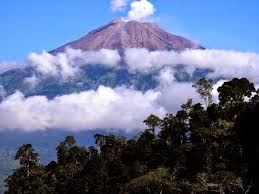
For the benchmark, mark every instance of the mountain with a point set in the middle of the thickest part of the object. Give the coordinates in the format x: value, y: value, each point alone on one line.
x: 120, y: 35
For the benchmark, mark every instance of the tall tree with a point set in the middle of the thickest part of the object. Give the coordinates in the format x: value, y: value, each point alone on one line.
x: 152, y: 122
x: 30, y: 177
x: 204, y: 87
x: 71, y: 161
x: 235, y: 91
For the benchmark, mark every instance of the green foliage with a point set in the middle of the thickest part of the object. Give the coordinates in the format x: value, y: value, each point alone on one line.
x: 204, y: 88
x: 90, y: 77
x: 156, y: 181
x: 235, y: 91
x: 7, y: 164
x: 152, y: 122
x: 195, y: 151
x: 30, y: 177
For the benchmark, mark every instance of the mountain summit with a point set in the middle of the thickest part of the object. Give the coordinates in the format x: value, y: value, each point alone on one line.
x: 121, y: 35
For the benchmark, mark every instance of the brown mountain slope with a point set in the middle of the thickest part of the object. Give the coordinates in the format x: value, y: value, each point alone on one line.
x: 121, y: 35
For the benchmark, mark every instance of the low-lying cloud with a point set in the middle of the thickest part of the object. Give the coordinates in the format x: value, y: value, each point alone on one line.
x: 120, y: 107
x: 6, y: 66
x: 105, y: 108
x: 32, y: 81
x: 67, y: 64
x: 223, y: 63
x: 2, y: 91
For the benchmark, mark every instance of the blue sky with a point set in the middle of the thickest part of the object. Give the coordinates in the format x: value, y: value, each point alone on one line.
x: 27, y: 26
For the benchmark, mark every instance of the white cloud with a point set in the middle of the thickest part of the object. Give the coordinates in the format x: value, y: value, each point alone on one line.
x: 48, y: 64
x: 224, y: 63
x: 176, y: 94
x: 140, y: 9
x: 118, y: 5
x: 2, y: 91
x: 68, y: 64
x: 6, y: 66
x: 166, y: 77
x: 145, y: 61
x: 105, y: 108
x: 215, y: 93
x: 105, y: 57
x: 32, y: 81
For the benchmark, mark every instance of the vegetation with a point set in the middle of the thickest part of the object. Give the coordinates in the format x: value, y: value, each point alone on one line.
x: 7, y: 164
x: 90, y: 77
x: 199, y: 150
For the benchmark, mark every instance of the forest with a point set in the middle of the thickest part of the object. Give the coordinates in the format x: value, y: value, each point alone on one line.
x: 208, y: 148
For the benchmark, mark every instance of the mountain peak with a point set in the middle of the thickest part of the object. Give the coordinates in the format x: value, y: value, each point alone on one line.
x: 121, y: 35
x: 117, y: 20
x: 123, y: 21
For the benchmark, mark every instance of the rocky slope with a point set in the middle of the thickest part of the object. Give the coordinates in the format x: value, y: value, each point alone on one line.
x: 121, y: 35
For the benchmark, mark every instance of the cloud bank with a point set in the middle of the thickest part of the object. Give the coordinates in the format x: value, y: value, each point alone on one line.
x: 223, y: 63
x: 105, y: 108
x: 120, y: 107
x: 67, y: 64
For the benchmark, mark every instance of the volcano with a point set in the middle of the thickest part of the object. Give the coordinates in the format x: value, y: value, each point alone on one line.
x: 120, y: 35
x: 117, y: 35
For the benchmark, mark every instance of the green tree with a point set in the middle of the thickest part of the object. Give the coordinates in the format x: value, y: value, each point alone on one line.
x: 157, y: 181
x: 204, y: 87
x: 152, y: 122
x: 71, y: 161
x: 30, y: 177
x: 235, y: 91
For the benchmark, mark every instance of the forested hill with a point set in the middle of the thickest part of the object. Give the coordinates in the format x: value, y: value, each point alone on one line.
x: 210, y: 149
